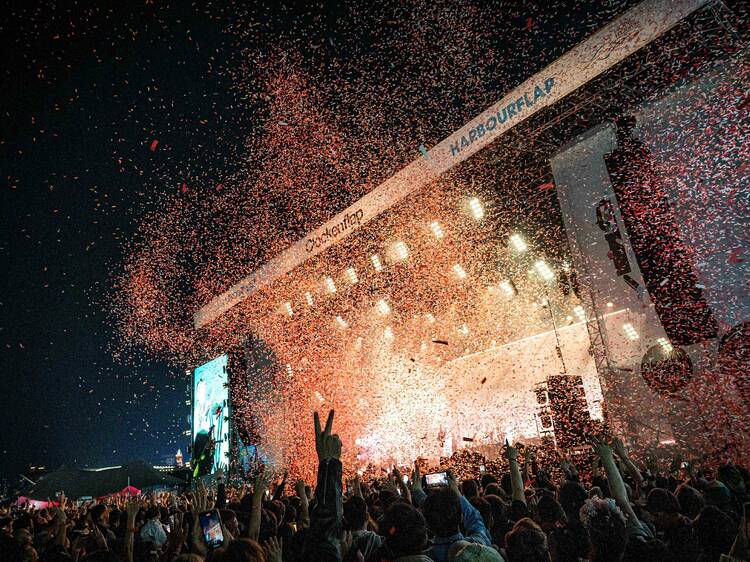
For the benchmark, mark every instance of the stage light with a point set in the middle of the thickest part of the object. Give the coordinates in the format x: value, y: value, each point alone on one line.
x: 330, y: 285
x: 288, y: 308
x: 352, y: 275
x: 665, y: 345
x: 518, y: 243
x: 459, y: 271
x: 464, y: 329
x: 430, y: 318
x: 341, y: 322
x: 376, y: 263
x: 508, y: 287
x: 610, y: 304
x: 383, y: 307
x: 436, y: 230
x: 580, y: 312
x: 309, y: 298
x: 543, y: 270
x: 630, y: 331
x: 476, y: 208
x: 388, y: 333
x: 401, y: 250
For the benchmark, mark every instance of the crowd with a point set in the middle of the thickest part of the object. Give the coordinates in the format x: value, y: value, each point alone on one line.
x: 531, y: 512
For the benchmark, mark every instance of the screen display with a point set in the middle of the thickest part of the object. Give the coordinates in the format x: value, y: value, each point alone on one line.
x: 436, y: 479
x: 210, y: 427
x: 211, y: 527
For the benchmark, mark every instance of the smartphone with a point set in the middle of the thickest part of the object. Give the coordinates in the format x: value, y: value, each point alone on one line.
x: 436, y: 479
x: 481, y: 469
x: 684, y: 465
x: 405, y: 479
x: 211, y: 527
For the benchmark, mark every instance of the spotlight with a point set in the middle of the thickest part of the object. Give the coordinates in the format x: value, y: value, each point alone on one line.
x: 309, y: 298
x: 330, y: 285
x: 388, y: 333
x: 401, y: 250
x: 518, y: 243
x: 476, y: 208
x: 351, y: 274
x: 376, y: 263
x: 436, y: 230
x: 383, y: 307
x: 459, y: 271
x: 464, y: 329
x: 543, y: 270
x: 288, y: 308
x: 508, y: 287
x: 580, y: 312
x: 665, y: 345
x: 630, y: 331
x: 342, y: 323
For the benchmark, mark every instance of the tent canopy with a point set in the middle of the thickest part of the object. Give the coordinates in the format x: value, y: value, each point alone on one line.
x: 102, y: 482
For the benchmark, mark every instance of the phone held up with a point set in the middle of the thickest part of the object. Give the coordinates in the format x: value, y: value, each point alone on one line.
x: 435, y: 480
x: 211, y: 527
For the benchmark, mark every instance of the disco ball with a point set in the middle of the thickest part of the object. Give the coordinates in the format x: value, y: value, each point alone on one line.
x: 666, y: 370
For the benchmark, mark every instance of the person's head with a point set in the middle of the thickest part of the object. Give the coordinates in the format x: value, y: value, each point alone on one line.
x: 691, y: 500
x: 731, y: 477
x: 714, y: 530
x: 663, y: 507
x: 463, y: 551
x: 442, y: 510
x: 569, y: 543
x: 240, y: 550
x: 486, y: 480
x: 505, y: 484
x: 607, y: 529
x: 485, y: 510
x: 551, y: 513
x: 100, y: 514
x: 355, y: 514
x: 153, y: 513
x: 499, y: 510
x: 595, y: 492
x: 526, y: 542
x: 229, y: 520
x: 469, y: 488
x: 23, y: 521
x: 571, y: 496
x: 404, y: 530
x: 494, y: 489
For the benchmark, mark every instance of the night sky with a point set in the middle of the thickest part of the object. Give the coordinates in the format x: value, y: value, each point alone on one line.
x: 86, y: 90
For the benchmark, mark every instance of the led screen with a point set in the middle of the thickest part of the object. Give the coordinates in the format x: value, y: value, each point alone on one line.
x: 210, y: 425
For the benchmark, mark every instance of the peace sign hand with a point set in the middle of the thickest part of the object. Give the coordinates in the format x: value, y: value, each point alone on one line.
x: 327, y: 445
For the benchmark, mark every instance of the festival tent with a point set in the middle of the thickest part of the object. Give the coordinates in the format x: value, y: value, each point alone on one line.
x: 76, y: 483
x: 126, y: 492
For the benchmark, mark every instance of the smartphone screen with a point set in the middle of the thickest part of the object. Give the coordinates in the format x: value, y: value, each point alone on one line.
x: 481, y: 469
x: 436, y: 479
x: 405, y: 479
x: 211, y: 527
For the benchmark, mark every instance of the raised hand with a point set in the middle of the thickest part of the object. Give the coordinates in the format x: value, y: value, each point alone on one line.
x: 273, y: 550
x: 511, y: 452
x: 416, y: 477
x: 327, y: 445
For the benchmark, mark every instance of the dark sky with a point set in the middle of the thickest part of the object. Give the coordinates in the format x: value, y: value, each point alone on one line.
x: 84, y: 93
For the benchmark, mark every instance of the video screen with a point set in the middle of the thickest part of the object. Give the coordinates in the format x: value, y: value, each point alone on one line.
x: 210, y: 413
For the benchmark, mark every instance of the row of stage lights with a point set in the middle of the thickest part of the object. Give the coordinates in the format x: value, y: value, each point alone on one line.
x: 400, y: 252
